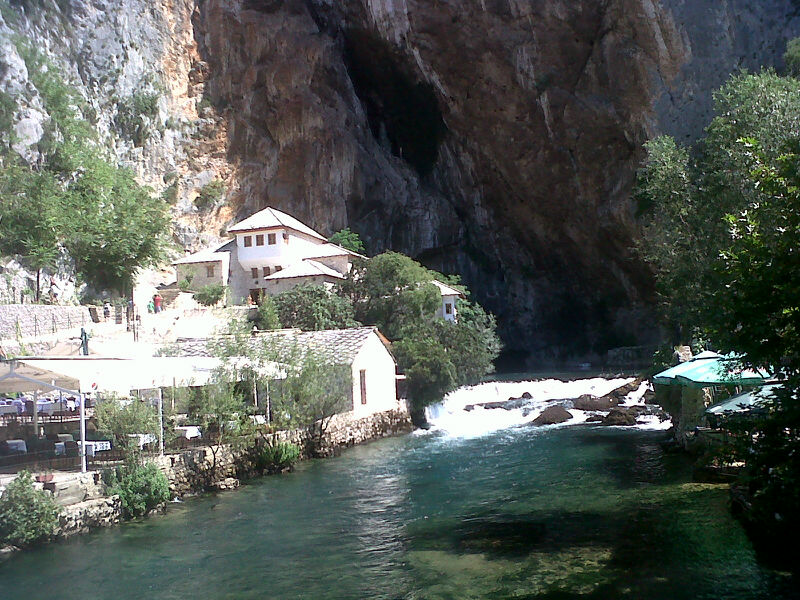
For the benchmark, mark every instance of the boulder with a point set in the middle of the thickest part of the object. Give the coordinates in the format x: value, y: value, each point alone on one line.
x: 552, y: 415
x: 589, y: 402
x: 619, y: 417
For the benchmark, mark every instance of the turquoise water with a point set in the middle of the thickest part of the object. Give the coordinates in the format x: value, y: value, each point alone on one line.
x: 562, y: 513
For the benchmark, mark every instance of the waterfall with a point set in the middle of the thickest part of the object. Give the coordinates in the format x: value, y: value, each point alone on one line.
x: 460, y: 415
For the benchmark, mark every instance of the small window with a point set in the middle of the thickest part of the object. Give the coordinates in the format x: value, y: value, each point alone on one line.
x: 254, y: 272
x: 363, y: 375
x: 248, y: 241
x: 266, y: 271
x: 448, y: 309
x: 259, y: 239
x: 278, y: 268
x: 271, y: 239
x: 209, y: 270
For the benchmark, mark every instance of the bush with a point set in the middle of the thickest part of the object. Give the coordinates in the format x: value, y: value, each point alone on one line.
x: 141, y: 488
x: 277, y: 457
x: 209, y: 194
x: 210, y: 295
x: 185, y: 284
x: 27, y: 516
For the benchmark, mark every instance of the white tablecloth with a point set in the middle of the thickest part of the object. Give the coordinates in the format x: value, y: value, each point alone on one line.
x: 189, y: 431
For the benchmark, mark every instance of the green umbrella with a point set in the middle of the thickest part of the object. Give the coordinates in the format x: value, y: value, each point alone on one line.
x: 721, y: 371
x: 668, y: 377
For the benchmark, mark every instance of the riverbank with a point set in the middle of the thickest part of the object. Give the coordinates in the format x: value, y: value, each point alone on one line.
x: 86, y: 507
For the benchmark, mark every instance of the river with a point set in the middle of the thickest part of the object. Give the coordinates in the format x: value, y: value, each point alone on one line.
x: 477, y: 508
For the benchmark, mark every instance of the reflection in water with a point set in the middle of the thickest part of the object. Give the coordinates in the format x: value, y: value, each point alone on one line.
x: 523, y: 513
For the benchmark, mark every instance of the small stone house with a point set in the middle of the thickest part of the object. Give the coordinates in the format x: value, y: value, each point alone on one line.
x: 372, y: 365
x: 363, y: 349
x: 448, y: 310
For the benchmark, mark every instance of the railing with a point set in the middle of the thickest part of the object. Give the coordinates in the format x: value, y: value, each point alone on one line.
x: 43, y: 460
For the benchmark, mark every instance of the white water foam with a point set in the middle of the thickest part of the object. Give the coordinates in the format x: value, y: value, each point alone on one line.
x: 450, y: 418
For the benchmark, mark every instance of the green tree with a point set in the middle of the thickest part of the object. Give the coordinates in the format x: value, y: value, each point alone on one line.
x: 123, y: 420
x: 312, y: 308
x: 740, y: 225
x: 210, y: 295
x: 430, y: 374
x: 112, y: 226
x: 348, y: 239
x: 391, y: 291
x: 792, y: 57
x: 29, y: 215
x: 77, y: 199
x: 267, y: 315
x: 685, y: 201
x: 27, y: 516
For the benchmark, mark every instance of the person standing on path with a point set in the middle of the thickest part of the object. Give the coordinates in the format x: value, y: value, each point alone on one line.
x: 157, y: 302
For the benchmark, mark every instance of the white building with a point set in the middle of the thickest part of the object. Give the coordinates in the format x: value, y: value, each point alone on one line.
x: 364, y: 350
x: 269, y: 253
x: 448, y: 310
x: 272, y: 252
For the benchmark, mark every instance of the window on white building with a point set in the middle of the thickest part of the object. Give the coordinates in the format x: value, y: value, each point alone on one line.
x: 248, y: 241
x: 209, y: 270
x: 278, y: 268
x: 259, y: 239
x: 363, y: 376
x: 265, y: 271
x: 286, y: 236
x: 254, y: 272
x: 448, y: 309
x: 271, y: 239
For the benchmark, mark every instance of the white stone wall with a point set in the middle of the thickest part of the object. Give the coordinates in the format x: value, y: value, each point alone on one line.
x: 381, y: 387
x: 28, y: 320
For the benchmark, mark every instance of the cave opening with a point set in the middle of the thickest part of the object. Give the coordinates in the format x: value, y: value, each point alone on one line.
x: 401, y: 110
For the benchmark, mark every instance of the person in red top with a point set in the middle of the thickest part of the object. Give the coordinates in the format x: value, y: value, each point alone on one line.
x: 157, y: 303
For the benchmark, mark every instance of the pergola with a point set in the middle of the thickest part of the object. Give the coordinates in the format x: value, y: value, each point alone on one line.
x: 78, y: 376
x: 17, y: 376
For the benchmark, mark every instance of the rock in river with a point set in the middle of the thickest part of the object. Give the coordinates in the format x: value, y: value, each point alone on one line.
x: 552, y: 415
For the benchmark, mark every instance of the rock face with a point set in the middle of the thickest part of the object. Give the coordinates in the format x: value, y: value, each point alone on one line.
x: 494, y: 138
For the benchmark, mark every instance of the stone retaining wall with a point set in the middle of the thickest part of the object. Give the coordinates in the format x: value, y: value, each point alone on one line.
x: 194, y: 470
x: 84, y: 507
x: 30, y: 320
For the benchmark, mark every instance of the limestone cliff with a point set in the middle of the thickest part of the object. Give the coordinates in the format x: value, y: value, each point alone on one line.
x: 494, y: 138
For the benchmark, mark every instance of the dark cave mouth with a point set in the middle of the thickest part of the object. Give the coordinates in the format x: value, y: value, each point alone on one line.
x: 401, y: 110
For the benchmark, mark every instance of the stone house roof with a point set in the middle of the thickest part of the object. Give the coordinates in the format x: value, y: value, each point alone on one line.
x: 270, y: 218
x: 341, y: 345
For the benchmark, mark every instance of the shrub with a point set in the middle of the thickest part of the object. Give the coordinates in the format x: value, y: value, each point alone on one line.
x: 27, y: 516
x: 210, y: 295
x: 141, y: 488
x: 185, y: 284
x: 267, y: 317
x: 209, y: 194
x: 277, y: 457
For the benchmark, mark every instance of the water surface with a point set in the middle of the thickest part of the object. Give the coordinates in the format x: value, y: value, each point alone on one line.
x: 523, y: 513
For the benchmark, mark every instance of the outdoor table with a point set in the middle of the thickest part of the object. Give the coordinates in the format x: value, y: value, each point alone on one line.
x: 48, y: 408
x: 189, y: 431
x: 8, y: 409
x: 142, y: 438
x: 17, y: 446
